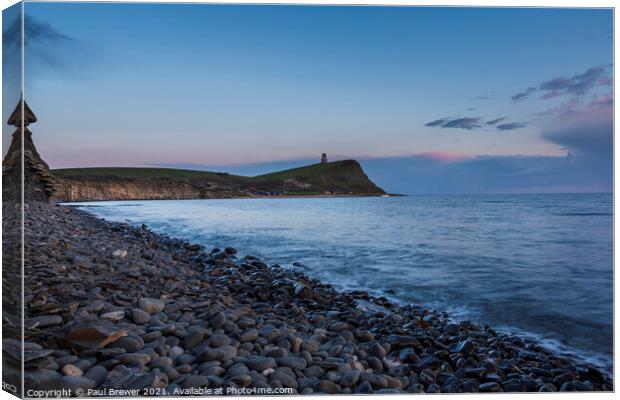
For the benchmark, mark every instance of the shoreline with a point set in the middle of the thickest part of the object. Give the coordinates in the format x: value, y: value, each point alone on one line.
x: 308, y: 196
x: 228, y: 321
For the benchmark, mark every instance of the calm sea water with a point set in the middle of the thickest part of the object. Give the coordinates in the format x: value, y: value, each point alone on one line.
x: 536, y: 265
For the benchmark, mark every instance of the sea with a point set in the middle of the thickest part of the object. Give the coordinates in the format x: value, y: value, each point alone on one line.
x: 536, y: 265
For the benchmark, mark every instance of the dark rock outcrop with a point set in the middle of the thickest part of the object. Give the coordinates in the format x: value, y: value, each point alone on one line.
x: 38, y: 182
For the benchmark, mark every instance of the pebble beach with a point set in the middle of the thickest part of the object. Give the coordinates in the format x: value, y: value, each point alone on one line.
x: 114, y: 310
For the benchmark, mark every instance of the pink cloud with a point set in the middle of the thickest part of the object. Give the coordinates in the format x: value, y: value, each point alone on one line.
x: 598, y: 105
x: 605, y: 101
x: 444, y: 157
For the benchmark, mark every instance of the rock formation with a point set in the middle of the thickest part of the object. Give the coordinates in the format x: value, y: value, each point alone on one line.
x: 38, y: 184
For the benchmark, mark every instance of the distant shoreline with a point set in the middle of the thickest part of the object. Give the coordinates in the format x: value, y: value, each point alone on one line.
x: 304, y: 196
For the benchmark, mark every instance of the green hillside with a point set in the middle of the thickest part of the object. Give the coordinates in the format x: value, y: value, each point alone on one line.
x: 142, y: 173
x: 336, y: 178
x: 345, y: 177
x: 314, y: 170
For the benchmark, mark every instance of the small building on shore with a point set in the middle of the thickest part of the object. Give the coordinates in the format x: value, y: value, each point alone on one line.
x: 324, y: 158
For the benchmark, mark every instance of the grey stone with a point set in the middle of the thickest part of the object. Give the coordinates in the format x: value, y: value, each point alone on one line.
x: 261, y: 363
x: 140, y: 316
x: 218, y: 321
x: 133, y: 357
x: 350, y: 378
x: 193, y: 381
x: 72, y: 370
x: 451, y: 329
x: 151, y: 305
x: 130, y: 344
x: 376, y: 350
x: 161, y: 362
x: 328, y: 387
x: 490, y: 387
x: 193, y: 339
x: 297, y: 363
x: 314, y: 371
x: 363, y: 388
x: 249, y: 336
x: 219, y: 340
x: 42, y: 321
x: 97, y: 374
x: 113, y: 316
x: 284, y: 379
x: 376, y: 381
x: 74, y: 383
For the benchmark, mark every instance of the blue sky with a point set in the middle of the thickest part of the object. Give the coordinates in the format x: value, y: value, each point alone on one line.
x: 419, y: 95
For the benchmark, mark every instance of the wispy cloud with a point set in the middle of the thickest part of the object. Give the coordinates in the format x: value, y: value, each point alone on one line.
x: 35, y: 32
x: 481, y: 98
x: 523, y: 95
x: 495, y: 121
x: 578, y: 107
x: 601, y: 102
x: 467, y: 123
x: 44, y: 44
x: 576, y: 85
x: 471, y: 123
x: 437, y: 122
x: 511, y: 125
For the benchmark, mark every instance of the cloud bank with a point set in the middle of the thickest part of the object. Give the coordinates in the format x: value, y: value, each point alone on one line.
x: 425, y: 174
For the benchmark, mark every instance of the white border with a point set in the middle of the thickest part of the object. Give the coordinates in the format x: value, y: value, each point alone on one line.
x: 461, y: 3
x: 475, y: 3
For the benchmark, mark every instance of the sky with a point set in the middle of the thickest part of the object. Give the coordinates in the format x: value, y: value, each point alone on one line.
x: 429, y: 100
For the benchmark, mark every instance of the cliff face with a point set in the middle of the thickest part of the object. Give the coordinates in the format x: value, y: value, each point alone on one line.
x: 98, y: 184
x: 121, y: 189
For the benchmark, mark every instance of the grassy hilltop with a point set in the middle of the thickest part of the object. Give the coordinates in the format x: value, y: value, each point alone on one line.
x: 335, y: 178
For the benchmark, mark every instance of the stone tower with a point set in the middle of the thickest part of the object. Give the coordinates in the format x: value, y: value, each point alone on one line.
x: 38, y: 180
x: 324, y: 158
